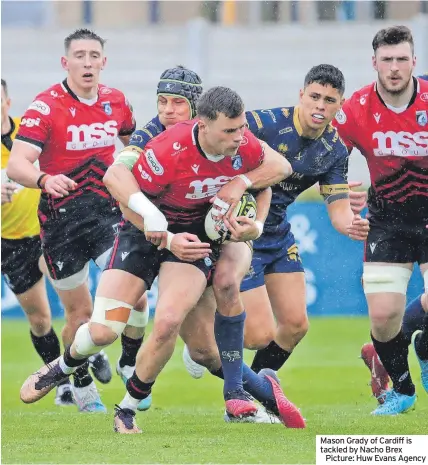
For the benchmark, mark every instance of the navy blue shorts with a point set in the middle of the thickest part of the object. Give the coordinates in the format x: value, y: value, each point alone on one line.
x: 273, y: 253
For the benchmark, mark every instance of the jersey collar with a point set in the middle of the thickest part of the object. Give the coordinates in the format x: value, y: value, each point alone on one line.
x: 214, y: 158
x: 416, y: 89
x: 67, y: 89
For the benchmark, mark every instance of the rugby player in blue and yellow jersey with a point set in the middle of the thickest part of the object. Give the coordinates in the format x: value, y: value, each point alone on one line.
x: 275, y: 287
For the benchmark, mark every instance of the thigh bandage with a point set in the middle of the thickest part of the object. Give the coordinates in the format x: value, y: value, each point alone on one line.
x: 378, y: 279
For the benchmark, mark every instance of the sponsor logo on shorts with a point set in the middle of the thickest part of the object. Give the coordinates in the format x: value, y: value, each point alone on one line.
x: 153, y: 162
x: 41, y: 107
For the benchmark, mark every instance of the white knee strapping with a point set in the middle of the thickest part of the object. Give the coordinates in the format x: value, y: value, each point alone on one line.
x: 83, y: 342
x: 73, y: 281
x: 426, y: 281
x: 101, y: 261
x: 139, y: 319
x: 102, y: 306
x: 378, y: 279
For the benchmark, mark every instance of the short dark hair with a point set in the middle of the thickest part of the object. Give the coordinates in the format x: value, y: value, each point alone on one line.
x: 392, y: 36
x: 82, y: 34
x: 4, y: 85
x: 220, y: 100
x: 326, y: 75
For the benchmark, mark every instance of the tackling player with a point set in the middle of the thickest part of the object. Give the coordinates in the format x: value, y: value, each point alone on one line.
x: 387, y: 122
x: 71, y: 128
x: 274, y: 290
x: 21, y: 252
x: 177, y: 92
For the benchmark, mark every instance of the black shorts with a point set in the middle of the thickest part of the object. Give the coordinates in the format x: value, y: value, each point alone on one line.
x: 20, y: 263
x: 133, y: 253
x: 75, y: 234
x: 396, y: 241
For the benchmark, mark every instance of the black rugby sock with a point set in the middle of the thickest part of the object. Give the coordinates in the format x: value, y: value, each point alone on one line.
x: 218, y: 373
x: 82, y: 378
x: 394, y: 356
x: 130, y: 349
x: 47, y: 346
x: 421, y: 342
x: 272, y: 356
x: 137, y: 388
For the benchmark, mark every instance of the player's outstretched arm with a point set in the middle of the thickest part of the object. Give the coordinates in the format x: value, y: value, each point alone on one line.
x: 346, y: 222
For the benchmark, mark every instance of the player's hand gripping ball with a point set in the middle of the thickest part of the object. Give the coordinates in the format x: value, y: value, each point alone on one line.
x: 215, y: 228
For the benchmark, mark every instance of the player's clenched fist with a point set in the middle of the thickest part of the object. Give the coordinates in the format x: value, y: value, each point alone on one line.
x: 358, y: 229
x: 58, y: 185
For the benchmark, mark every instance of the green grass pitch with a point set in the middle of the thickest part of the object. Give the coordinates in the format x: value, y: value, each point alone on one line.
x: 324, y: 377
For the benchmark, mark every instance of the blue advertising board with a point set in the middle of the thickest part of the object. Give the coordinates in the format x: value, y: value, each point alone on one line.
x: 333, y: 265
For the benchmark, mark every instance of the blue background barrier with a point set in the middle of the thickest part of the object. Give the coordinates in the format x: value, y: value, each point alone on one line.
x: 333, y: 265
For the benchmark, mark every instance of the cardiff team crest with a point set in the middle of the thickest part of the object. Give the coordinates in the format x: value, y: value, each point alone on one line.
x: 107, y: 108
x: 421, y: 117
x: 236, y: 162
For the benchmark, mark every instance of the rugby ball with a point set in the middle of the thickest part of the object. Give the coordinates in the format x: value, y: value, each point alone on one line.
x: 247, y: 206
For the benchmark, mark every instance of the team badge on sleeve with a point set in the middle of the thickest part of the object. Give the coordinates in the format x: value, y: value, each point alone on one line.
x: 421, y: 118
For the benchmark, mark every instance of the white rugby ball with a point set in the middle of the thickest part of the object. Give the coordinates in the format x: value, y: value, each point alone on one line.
x: 247, y: 206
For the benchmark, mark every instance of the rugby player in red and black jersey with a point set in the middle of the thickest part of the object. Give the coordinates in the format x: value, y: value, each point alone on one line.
x: 387, y: 121
x: 72, y: 128
x: 180, y: 171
